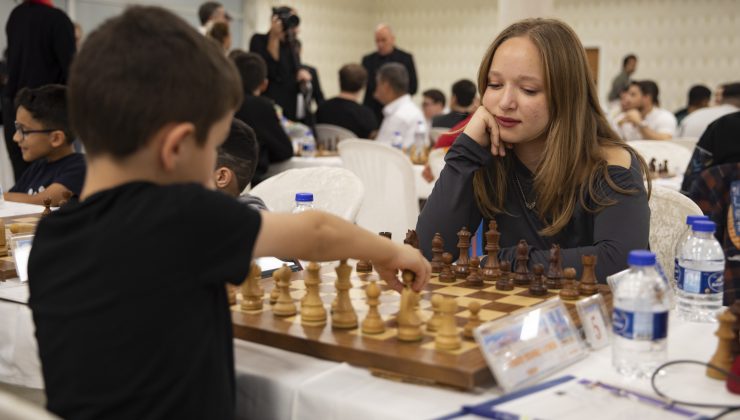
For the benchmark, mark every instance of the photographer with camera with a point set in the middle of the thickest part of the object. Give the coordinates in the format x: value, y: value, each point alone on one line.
x: 284, y: 72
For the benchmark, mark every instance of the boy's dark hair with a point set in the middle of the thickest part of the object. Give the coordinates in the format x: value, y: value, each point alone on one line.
x: 219, y: 31
x: 205, y: 11
x: 649, y: 88
x: 731, y: 90
x: 699, y: 94
x: 627, y: 58
x: 252, y: 69
x: 436, y: 96
x: 142, y: 70
x: 464, y: 91
x: 352, y: 78
x: 396, y: 76
x: 239, y: 153
x: 47, y: 105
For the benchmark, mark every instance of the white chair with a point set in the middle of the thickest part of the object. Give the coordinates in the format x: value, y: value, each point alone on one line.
x: 15, y: 408
x: 391, y: 203
x: 668, y: 211
x: 437, y: 161
x: 678, y: 156
x: 335, y: 190
x: 687, y: 142
x: 327, y: 134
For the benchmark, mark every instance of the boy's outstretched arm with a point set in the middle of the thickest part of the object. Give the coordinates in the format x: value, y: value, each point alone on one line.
x: 319, y: 236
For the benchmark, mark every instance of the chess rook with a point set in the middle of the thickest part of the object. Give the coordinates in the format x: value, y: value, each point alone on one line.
x: 437, y: 251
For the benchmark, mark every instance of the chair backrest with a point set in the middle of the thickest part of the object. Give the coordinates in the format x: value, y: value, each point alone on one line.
x: 437, y: 161
x: 687, y: 142
x: 668, y: 211
x: 335, y: 190
x: 660, y: 150
x: 329, y: 134
x: 391, y: 203
x: 15, y: 408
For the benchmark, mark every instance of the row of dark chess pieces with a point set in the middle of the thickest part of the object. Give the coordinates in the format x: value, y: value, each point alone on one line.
x: 499, y: 272
x: 660, y: 169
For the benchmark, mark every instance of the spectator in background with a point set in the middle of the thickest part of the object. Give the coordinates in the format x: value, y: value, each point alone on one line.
x: 647, y: 121
x: 344, y: 110
x: 462, y: 103
x: 695, y: 124
x: 698, y: 98
x: 219, y: 32
x: 433, y: 103
x: 719, y: 144
x: 41, y: 44
x: 78, y: 35
x: 622, y: 81
x: 259, y: 113
x: 209, y: 13
x: 401, y: 114
x: 311, y: 91
x: 387, y: 52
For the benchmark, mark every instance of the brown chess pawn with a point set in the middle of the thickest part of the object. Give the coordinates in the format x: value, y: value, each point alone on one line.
x: 462, y: 265
x: 473, y: 321
x: 555, y: 269
x: 537, y: 288
x: 587, y: 286
x: 522, y: 276
x: 570, y: 289
x: 474, y: 279
x: 504, y: 281
x: 437, y: 251
x: 47, y: 207
x: 446, y: 275
x: 411, y: 239
x: 491, y: 269
x: 722, y: 357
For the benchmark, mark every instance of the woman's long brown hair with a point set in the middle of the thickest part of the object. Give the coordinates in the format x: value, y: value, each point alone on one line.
x: 573, y: 162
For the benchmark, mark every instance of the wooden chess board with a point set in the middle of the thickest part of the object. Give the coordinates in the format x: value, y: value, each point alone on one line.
x: 384, y: 354
x: 7, y: 264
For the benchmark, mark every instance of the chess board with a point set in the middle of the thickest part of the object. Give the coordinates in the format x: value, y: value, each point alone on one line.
x: 384, y: 354
x: 7, y: 264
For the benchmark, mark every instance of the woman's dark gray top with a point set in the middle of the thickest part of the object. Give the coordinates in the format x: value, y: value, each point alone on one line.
x: 610, y: 233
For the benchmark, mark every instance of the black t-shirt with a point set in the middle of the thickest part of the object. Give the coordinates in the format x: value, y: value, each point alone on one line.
x: 68, y: 171
x: 449, y: 120
x: 128, y: 298
x: 718, y: 145
x: 356, y: 118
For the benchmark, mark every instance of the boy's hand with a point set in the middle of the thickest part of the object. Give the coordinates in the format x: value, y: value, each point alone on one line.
x: 406, y: 257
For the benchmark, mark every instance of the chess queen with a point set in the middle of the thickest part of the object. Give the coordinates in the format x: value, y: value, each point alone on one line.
x: 540, y: 158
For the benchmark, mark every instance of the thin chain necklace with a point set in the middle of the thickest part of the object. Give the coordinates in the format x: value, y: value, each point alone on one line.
x: 529, y: 205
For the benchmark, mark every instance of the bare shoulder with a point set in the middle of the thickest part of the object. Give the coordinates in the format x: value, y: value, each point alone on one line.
x: 617, y: 156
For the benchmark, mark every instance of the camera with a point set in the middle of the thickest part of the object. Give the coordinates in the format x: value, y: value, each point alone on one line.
x: 286, y: 16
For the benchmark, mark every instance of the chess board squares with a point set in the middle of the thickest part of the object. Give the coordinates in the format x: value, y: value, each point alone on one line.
x: 514, y: 291
x: 434, y: 281
x: 387, y: 335
x: 455, y: 291
x: 26, y: 220
x: 485, y: 315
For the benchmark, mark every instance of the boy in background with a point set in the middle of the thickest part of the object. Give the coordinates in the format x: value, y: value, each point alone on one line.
x: 236, y: 163
x: 130, y: 309
x: 44, y: 136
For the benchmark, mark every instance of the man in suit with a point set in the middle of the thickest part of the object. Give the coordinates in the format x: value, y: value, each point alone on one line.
x: 386, y: 52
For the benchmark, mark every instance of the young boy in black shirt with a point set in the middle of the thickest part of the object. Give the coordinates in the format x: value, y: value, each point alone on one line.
x: 127, y: 285
x: 236, y: 162
x: 43, y: 134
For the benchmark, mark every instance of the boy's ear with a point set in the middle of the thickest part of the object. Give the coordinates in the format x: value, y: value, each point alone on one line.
x: 222, y: 177
x: 57, y: 138
x: 174, y: 139
x: 263, y: 86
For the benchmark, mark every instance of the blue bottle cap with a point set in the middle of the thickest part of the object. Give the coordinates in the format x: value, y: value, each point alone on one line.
x: 304, y: 197
x: 641, y: 257
x: 694, y: 217
x: 703, y: 226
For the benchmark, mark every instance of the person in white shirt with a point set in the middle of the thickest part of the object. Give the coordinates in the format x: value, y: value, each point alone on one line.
x: 646, y: 121
x: 209, y: 13
x: 400, y: 114
x: 695, y: 124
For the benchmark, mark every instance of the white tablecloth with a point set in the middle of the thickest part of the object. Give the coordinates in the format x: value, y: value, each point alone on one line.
x: 423, y: 188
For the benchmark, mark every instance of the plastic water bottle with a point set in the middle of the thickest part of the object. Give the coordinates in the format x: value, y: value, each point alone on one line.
x: 397, y: 140
x: 640, y: 318
x: 308, y: 144
x: 303, y: 202
x: 682, y: 239
x: 701, y: 264
x: 420, y: 144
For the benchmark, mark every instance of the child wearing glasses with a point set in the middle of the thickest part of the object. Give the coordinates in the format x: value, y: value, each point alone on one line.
x: 43, y: 133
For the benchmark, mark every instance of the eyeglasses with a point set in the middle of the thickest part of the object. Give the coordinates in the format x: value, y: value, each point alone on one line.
x: 19, y: 128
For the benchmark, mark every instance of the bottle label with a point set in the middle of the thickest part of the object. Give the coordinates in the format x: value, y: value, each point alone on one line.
x: 700, y: 282
x: 676, y: 271
x: 644, y: 326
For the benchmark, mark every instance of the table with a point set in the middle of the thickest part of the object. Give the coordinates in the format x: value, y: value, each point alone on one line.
x: 423, y: 188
